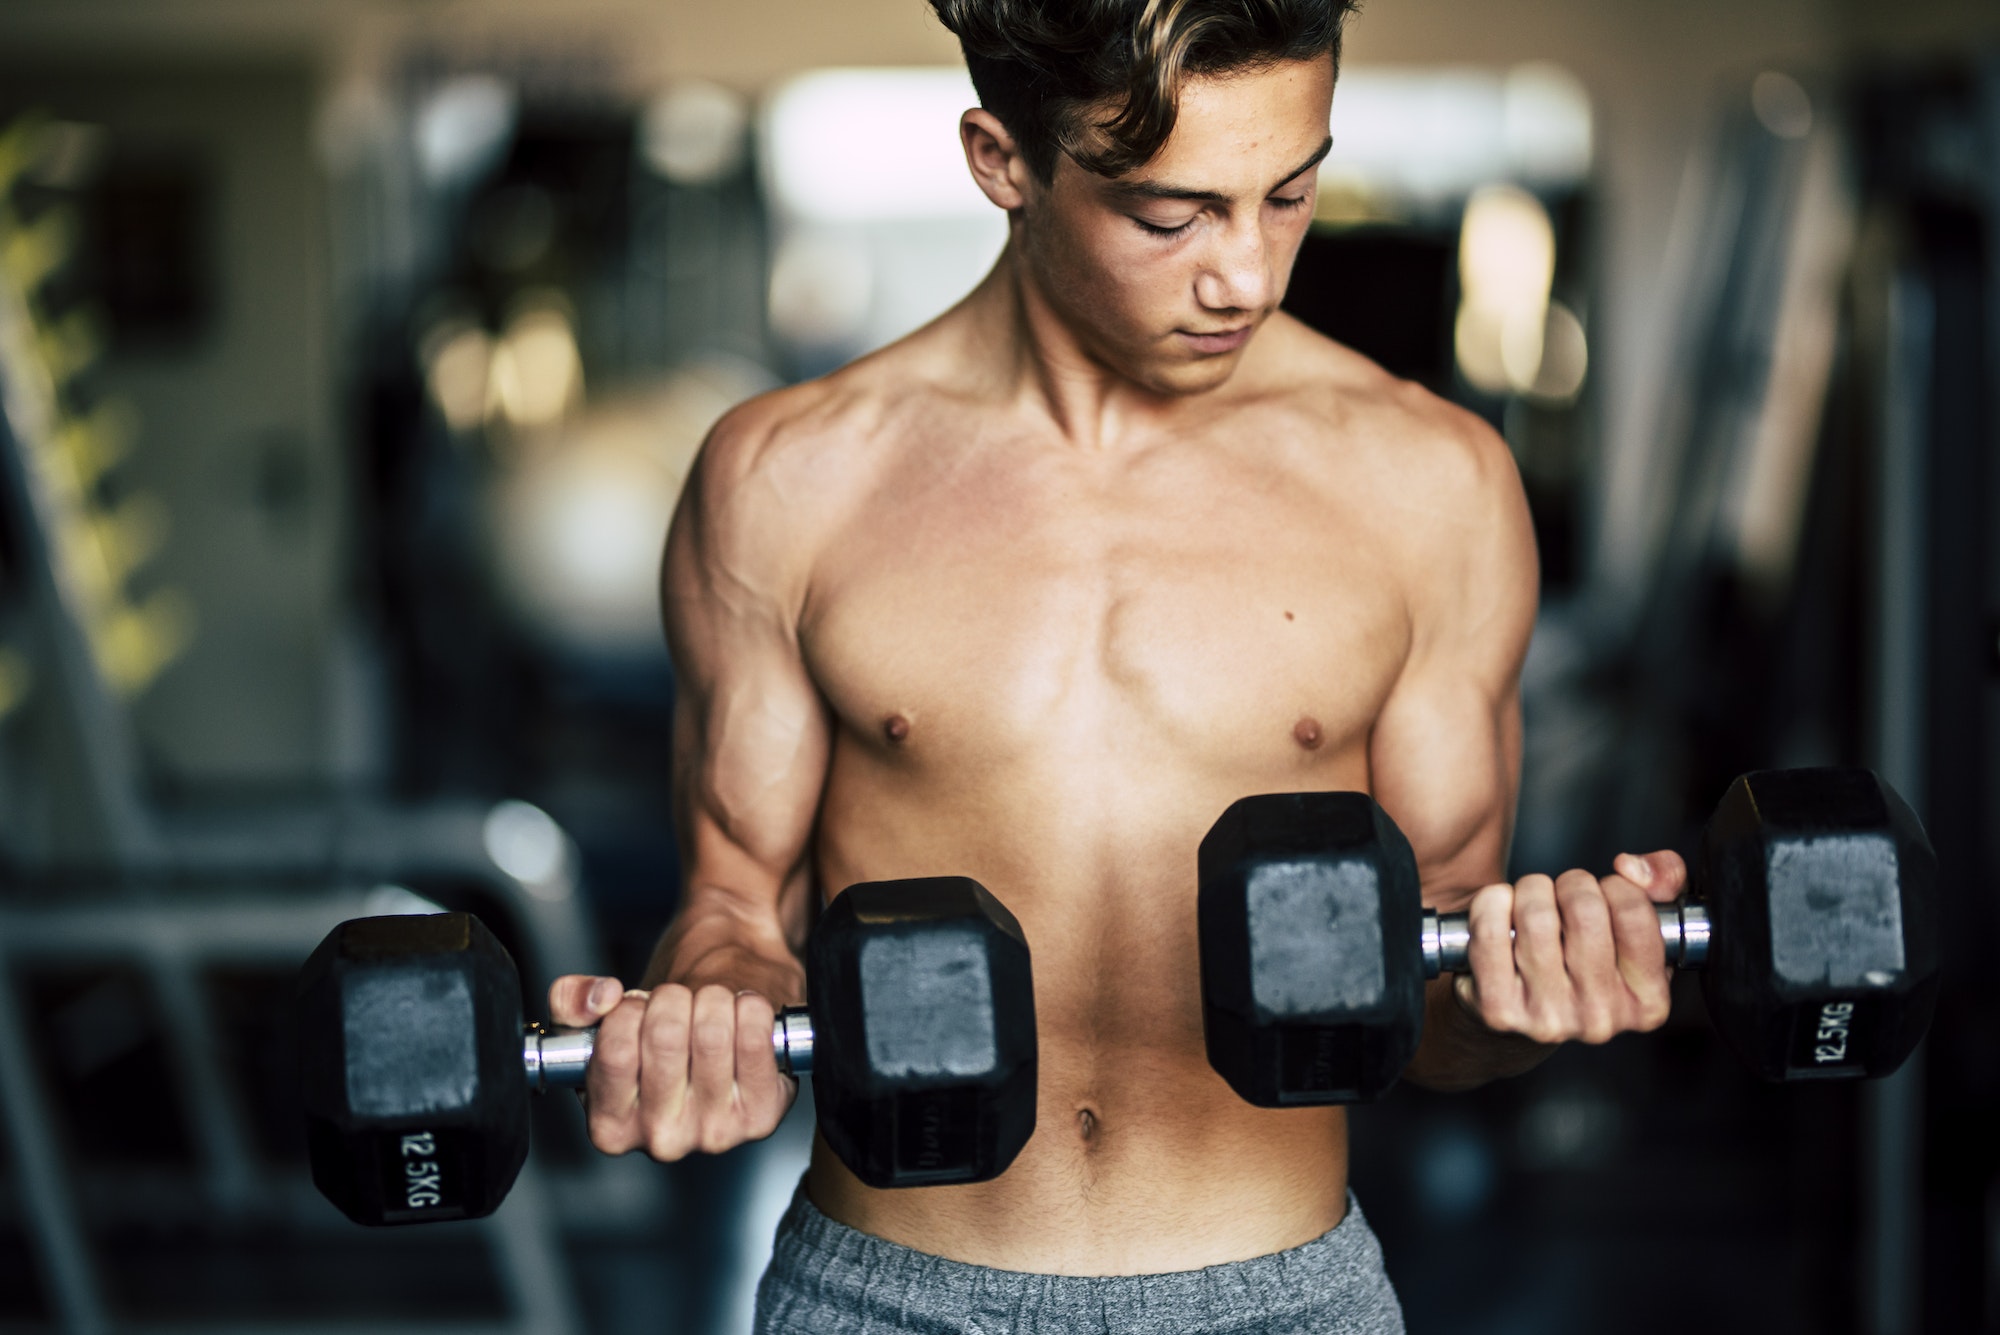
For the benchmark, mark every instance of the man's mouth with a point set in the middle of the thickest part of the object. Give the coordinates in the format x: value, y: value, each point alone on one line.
x: 1223, y: 340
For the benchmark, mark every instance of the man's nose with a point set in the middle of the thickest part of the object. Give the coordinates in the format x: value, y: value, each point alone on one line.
x: 1237, y: 274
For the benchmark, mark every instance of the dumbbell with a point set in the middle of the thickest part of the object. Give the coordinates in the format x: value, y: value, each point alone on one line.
x: 919, y: 1033
x: 1813, y: 920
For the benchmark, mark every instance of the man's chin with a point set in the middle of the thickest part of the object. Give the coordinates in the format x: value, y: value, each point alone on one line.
x: 1185, y: 375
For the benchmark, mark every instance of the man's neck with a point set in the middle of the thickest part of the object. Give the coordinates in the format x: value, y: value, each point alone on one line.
x: 1094, y: 407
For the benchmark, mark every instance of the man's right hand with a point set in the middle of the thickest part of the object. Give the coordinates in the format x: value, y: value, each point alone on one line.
x: 674, y: 1069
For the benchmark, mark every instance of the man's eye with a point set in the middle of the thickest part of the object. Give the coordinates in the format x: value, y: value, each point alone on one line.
x: 1284, y: 202
x: 1156, y: 230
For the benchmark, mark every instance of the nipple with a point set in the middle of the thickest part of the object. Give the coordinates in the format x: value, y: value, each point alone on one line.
x: 1290, y: 617
x: 1306, y: 733
x: 895, y: 728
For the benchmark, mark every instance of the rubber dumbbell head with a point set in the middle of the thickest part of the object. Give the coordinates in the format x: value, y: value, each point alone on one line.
x: 409, y: 1040
x: 1822, y: 892
x: 1311, y: 959
x: 923, y: 1005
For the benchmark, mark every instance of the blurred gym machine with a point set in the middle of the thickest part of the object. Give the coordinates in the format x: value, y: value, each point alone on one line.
x: 1818, y: 585
x: 1825, y: 585
x: 1823, y: 588
x: 147, y: 1108
x: 1927, y: 324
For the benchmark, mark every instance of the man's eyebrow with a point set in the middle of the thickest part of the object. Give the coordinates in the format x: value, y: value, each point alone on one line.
x: 1165, y: 190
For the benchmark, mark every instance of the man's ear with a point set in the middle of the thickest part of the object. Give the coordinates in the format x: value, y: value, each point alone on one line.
x: 994, y: 158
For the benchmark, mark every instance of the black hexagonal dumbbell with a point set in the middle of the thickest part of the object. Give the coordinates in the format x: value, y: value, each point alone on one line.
x: 1312, y: 984
x: 1813, y: 919
x: 919, y: 1034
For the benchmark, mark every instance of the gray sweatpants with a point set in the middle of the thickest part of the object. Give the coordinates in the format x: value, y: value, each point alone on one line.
x: 828, y: 1279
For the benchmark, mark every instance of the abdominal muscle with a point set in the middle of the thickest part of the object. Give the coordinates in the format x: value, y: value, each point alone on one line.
x: 1143, y: 1160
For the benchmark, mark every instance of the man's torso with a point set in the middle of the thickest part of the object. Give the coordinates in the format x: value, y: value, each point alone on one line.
x: 1050, y: 669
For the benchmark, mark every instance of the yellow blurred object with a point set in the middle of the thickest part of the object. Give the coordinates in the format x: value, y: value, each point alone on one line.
x: 17, y: 679
x: 1506, y: 268
x: 131, y: 535
x: 94, y: 550
x: 79, y: 556
x: 458, y: 365
x: 20, y: 146
x: 1565, y: 360
x: 30, y: 252
x: 71, y: 344
x: 97, y: 443
x: 537, y: 371
x: 1347, y: 200
x: 102, y: 549
x: 1475, y: 337
x: 135, y: 641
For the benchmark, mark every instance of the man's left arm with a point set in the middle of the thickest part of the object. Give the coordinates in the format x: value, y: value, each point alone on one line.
x: 1552, y: 959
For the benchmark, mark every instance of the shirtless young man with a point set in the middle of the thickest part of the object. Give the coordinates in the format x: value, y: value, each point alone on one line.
x: 1031, y: 596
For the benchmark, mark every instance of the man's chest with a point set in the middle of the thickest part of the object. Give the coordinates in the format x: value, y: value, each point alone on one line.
x: 1192, y: 612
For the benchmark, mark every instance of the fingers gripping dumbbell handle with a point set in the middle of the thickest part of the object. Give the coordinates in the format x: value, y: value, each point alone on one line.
x: 1683, y: 927
x: 558, y: 1061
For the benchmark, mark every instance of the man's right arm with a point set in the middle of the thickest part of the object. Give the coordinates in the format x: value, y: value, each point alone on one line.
x: 685, y: 1062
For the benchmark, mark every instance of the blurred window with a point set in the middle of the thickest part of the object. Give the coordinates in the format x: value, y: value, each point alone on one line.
x: 878, y: 227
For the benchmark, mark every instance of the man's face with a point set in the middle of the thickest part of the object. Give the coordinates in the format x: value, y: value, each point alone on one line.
x: 1165, y: 273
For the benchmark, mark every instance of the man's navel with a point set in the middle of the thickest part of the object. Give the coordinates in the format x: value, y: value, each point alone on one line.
x: 1086, y: 1126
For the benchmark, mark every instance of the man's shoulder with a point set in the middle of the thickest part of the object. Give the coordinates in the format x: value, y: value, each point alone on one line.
x: 782, y: 431
x: 1439, y: 491
x: 1418, y: 447
x: 806, y: 448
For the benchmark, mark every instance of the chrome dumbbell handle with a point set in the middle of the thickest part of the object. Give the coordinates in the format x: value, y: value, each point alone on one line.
x: 1683, y: 927
x: 558, y: 1060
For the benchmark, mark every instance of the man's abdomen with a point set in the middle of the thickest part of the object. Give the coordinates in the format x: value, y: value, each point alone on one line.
x: 1143, y: 1160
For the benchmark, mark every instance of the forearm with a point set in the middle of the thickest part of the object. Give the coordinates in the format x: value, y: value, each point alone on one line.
x: 1458, y: 1052
x: 723, y: 937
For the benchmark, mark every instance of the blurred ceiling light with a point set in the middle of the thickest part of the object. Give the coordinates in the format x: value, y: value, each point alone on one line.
x: 457, y: 356
x: 694, y: 133
x: 822, y: 286
x: 1782, y: 105
x: 464, y: 127
x: 1545, y: 117
x: 1439, y: 133
x: 525, y: 842
x: 1427, y: 133
x: 537, y: 371
x: 871, y: 145
x: 1506, y: 265
x: 602, y: 523
x: 578, y: 528
x: 1565, y: 360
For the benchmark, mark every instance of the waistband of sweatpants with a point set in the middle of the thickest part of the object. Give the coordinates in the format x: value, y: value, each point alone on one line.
x: 1348, y: 1248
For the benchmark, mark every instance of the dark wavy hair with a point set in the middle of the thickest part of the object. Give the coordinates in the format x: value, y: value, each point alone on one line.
x: 1041, y: 65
